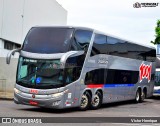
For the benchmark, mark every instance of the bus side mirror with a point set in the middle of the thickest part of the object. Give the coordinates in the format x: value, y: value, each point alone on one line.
x: 69, y: 54
x: 8, y: 58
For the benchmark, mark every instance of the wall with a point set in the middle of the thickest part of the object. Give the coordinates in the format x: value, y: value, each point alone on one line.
x: 1, y: 44
x: 12, y: 20
x: 7, y: 77
x: 18, y: 16
x: 1, y: 14
x: 43, y: 12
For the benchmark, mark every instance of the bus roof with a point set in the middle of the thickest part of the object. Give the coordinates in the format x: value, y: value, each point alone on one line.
x: 97, y: 31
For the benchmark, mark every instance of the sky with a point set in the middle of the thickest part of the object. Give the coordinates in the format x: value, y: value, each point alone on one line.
x: 115, y: 17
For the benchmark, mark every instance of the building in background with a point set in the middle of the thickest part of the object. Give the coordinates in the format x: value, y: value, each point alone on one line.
x: 16, y: 18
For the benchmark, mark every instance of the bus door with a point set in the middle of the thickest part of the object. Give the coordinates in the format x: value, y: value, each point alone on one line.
x: 73, y: 70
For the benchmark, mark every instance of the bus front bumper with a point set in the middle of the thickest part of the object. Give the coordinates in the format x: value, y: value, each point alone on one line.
x: 27, y: 99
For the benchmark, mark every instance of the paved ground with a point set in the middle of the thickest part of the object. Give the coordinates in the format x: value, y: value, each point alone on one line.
x: 149, y: 108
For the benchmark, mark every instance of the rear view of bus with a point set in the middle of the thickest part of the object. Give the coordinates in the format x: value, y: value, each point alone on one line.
x: 62, y: 67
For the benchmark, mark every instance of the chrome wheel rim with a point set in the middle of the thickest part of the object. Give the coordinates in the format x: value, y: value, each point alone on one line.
x: 84, y: 101
x: 137, y: 96
x: 96, y: 101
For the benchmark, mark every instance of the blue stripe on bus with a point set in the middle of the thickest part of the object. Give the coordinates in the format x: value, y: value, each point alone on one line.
x: 118, y: 85
x: 158, y: 91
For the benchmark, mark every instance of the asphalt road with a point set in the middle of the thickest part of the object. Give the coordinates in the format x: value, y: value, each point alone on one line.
x: 149, y: 108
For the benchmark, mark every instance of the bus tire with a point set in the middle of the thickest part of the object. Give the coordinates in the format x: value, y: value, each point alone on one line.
x: 85, y: 101
x: 97, y: 100
x: 143, y: 96
x: 138, y: 95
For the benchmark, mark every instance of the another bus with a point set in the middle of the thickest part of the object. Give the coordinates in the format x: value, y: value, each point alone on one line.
x: 157, y: 83
x: 62, y: 67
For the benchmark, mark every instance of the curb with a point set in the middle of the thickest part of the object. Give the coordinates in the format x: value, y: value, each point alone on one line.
x: 10, y: 99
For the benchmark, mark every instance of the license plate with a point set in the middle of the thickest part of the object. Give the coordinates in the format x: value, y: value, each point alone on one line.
x: 33, y: 103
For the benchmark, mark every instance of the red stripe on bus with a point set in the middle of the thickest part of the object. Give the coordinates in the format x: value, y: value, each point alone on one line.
x: 95, y: 85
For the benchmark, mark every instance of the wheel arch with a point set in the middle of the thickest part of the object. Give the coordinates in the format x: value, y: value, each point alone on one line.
x: 100, y: 90
x: 145, y: 90
x: 85, y: 90
x: 138, y: 88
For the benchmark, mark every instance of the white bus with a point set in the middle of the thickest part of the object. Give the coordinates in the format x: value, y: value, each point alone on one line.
x: 62, y: 67
x: 157, y: 82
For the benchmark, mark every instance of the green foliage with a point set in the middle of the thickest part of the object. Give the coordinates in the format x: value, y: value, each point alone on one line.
x: 157, y: 31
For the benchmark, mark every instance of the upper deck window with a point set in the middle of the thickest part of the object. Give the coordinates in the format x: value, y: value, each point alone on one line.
x: 48, y: 40
x: 81, y: 40
x: 116, y: 47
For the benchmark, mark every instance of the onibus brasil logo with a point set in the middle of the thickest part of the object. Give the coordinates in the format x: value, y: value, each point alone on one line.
x: 150, y: 4
x: 145, y: 72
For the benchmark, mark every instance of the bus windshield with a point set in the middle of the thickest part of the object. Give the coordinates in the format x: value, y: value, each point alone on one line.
x: 48, y: 40
x: 157, y: 81
x: 47, y: 74
x: 40, y: 73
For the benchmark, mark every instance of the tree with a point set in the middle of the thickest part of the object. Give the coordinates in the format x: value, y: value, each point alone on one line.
x: 157, y: 31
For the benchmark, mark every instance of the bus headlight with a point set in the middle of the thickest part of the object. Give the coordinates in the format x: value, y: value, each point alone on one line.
x: 17, y: 91
x: 56, y: 95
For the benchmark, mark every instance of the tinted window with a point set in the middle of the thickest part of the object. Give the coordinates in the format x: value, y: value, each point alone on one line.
x: 73, y: 68
x: 157, y: 78
x: 121, y: 77
x: 100, y: 39
x: 117, y: 47
x: 95, y: 77
x: 48, y: 40
x: 111, y: 40
x: 40, y: 74
x: 81, y: 40
x: 99, y: 42
x: 111, y: 76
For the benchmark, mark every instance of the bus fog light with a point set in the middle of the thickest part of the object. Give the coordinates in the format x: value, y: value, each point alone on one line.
x: 56, y: 103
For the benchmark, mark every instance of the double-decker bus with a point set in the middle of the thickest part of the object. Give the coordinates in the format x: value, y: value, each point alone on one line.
x: 62, y: 67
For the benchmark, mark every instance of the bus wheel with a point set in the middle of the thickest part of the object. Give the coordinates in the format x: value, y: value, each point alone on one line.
x: 138, y: 95
x: 143, y: 96
x: 85, y: 101
x: 97, y: 100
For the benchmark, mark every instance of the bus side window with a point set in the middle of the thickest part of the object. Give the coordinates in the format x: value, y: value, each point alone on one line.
x: 88, y: 79
x: 95, y: 77
x: 99, y: 45
x: 121, y: 77
x: 81, y: 40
